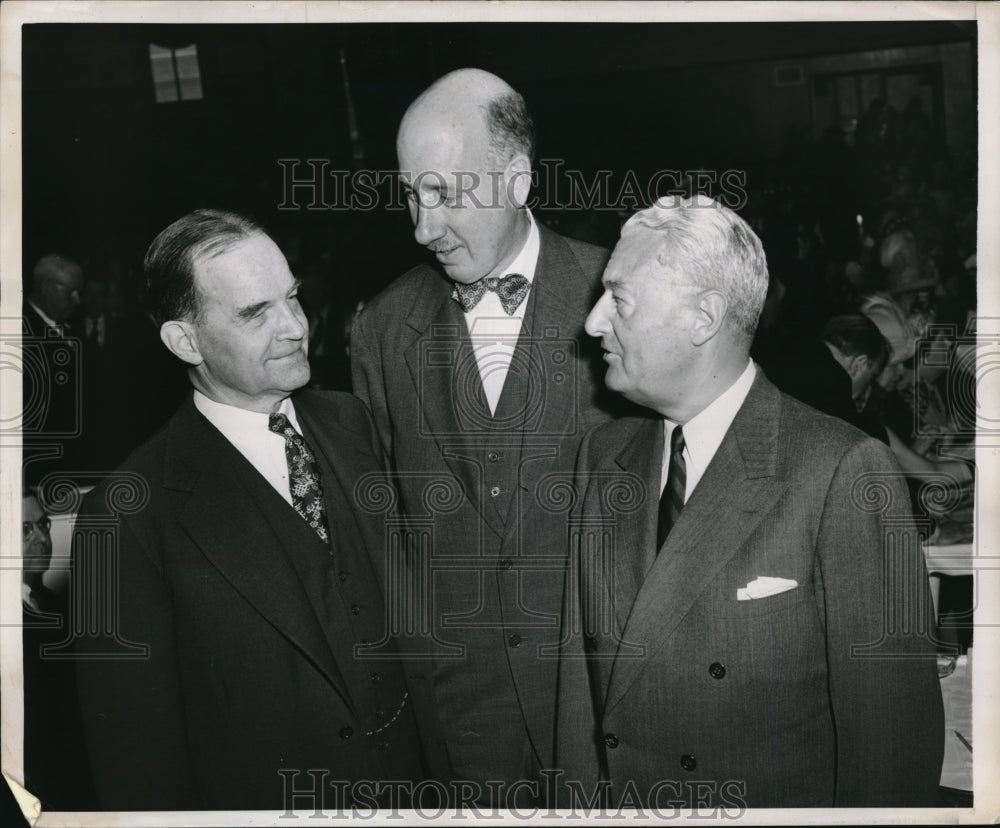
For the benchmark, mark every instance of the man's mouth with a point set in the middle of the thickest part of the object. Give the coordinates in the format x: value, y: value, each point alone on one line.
x: 443, y: 252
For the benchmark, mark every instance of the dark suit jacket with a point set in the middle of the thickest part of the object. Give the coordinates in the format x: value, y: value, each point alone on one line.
x: 251, y: 666
x: 825, y: 694
x: 414, y: 367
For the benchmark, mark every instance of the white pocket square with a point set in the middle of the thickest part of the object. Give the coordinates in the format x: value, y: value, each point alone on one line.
x: 763, y: 587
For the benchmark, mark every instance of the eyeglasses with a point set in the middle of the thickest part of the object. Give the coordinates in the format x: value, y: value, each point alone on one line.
x: 29, y: 526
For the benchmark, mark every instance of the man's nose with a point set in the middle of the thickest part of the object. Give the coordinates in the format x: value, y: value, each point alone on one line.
x: 427, y: 227
x: 293, y: 322
x: 597, y: 319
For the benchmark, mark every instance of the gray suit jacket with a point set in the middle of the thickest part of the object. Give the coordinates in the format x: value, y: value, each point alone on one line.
x: 473, y: 480
x: 825, y: 694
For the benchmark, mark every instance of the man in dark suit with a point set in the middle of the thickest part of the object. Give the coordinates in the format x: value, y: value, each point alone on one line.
x: 748, y: 619
x: 245, y: 657
x: 55, y: 769
x: 51, y: 381
x: 479, y: 380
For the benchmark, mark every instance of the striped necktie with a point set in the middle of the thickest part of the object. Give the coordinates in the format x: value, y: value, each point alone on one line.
x: 672, y: 499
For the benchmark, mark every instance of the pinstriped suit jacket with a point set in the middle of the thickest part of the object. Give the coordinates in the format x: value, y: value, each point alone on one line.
x: 825, y: 694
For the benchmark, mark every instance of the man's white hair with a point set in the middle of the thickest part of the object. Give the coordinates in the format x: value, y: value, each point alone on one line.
x: 706, y: 243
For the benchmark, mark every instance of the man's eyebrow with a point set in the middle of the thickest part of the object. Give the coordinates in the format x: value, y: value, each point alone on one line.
x: 250, y: 311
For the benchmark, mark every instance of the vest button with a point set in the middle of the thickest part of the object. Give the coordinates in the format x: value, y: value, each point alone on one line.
x: 611, y: 740
x: 515, y: 640
x: 494, y: 456
x: 355, y: 609
x: 688, y: 762
x: 716, y: 670
x: 376, y: 678
x: 346, y: 732
x: 383, y: 745
x: 494, y: 491
x: 342, y: 576
x: 506, y: 563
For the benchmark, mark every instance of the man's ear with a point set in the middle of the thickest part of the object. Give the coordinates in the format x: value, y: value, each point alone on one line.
x: 857, y: 364
x: 709, y: 316
x: 517, y: 175
x: 179, y: 338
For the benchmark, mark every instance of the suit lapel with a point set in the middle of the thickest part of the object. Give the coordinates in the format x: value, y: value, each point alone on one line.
x: 338, y: 446
x: 226, y: 518
x: 451, y: 403
x: 550, y: 344
x: 737, y: 490
x: 642, y: 457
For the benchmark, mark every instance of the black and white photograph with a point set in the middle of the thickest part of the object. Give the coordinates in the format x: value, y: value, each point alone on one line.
x: 503, y: 413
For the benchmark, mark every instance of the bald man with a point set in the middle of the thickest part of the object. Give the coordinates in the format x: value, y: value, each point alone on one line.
x: 479, y: 380
x: 55, y: 292
x: 51, y: 386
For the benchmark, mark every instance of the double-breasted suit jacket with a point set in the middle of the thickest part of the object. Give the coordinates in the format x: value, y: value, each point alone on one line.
x: 494, y: 554
x: 824, y: 694
x: 251, y: 625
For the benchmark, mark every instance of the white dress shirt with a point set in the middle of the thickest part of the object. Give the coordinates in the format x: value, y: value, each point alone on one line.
x: 88, y: 327
x: 493, y: 333
x: 703, y: 433
x: 248, y: 432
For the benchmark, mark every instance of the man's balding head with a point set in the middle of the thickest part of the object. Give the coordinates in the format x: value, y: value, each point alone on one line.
x: 55, y: 286
x: 465, y: 147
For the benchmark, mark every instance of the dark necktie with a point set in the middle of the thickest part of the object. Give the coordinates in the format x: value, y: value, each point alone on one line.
x: 672, y: 499
x: 511, y: 289
x: 305, y: 480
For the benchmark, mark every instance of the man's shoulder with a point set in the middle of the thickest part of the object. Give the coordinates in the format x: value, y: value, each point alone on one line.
x: 336, y: 407
x: 808, y: 425
x: 606, y: 441
x: 590, y: 258
x: 397, y: 298
x: 814, y: 445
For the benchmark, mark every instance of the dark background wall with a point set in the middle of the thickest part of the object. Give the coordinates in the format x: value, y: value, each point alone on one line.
x: 106, y: 167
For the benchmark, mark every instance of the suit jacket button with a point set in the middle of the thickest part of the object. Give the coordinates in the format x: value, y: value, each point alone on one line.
x: 495, y: 491
x: 494, y: 456
x: 376, y: 678
x: 716, y: 670
x: 506, y: 563
x: 346, y: 732
x: 355, y: 609
x: 688, y: 762
x: 611, y: 740
x: 342, y: 576
x: 515, y: 640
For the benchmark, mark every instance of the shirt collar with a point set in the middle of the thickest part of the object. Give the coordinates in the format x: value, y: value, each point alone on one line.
x: 526, y: 261
x: 48, y: 320
x: 704, y: 432
x: 239, y: 422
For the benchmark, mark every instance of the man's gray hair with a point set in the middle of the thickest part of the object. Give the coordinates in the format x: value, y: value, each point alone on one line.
x: 510, y: 128
x: 706, y: 243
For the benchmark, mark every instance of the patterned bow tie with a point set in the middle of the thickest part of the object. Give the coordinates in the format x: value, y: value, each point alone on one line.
x: 305, y: 480
x: 511, y: 289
